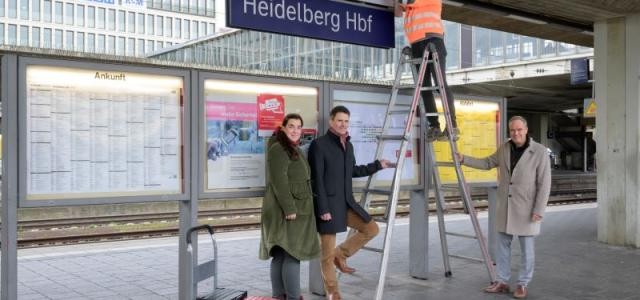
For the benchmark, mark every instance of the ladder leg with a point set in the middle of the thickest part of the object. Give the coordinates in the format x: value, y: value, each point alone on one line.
x: 442, y: 230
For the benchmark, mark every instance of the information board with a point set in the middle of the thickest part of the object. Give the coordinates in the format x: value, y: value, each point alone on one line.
x: 239, y: 118
x: 94, y: 133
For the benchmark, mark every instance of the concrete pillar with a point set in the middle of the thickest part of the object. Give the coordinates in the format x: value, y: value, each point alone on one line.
x: 617, y: 90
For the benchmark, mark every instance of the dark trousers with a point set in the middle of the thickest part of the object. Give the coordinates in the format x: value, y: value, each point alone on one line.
x: 417, y: 50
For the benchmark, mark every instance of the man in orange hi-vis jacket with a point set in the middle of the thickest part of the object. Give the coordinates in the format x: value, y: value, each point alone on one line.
x: 423, y: 26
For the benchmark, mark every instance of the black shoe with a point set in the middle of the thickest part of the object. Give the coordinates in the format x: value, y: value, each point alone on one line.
x: 445, y: 135
x: 433, y: 133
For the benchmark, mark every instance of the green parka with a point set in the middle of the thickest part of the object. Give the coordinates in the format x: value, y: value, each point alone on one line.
x: 288, y: 191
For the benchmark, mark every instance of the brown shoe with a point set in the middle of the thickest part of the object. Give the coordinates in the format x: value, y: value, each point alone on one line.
x: 341, y: 264
x: 520, y: 292
x: 334, y: 296
x: 497, y: 287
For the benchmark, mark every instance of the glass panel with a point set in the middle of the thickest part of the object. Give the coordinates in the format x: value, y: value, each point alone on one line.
x: 548, y: 48
x: 58, y: 12
x: 177, y: 28
x: 46, y: 37
x: 512, y: 47
x: 91, y: 42
x: 35, y: 10
x: 193, y: 7
x: 2, y: 15
x: 159, y: 25
x: 497, y: 47
x: 210, y: 8
x: 80, y: 41
x: 100, y: 19
x: 57, y: 40
x: 121, y: 46
x: 111, y: 44
x: 194, y: 30
x: 131, y: 46
x: 481, y: 41
x: 149, y: 24
x: 121, y: 26
x: 185, y: 29
x: 211, y: 29
x: 100, y: 47
x: 140, y: 48
x: 80, y: 15
x: 46, y: 10
x: 131, y: 21
x: 68, y: 40
x: 68, y: 13
x: 452, y: 43
x: 91, y: 17
x: 201, y: 7
x: 529, y: 46
x: 24, y: 9
x: 175, y: 6
x: 166, y: 4
x: 13, y: 13
x: 35, y: 37
x: 149, y: 46
x: 12, y: 34
x: 111, y: 19
x: 140, y: 24
x: 24, y: 35
x: 203, y: 29
x: 565, y: 49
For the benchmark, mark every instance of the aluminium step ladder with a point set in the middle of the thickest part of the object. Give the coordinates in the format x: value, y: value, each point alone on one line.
x: 393, y: 191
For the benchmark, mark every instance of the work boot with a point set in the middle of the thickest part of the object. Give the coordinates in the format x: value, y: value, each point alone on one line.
x: 433, y: 134
x: 497, y: 287
x: 445, y: 135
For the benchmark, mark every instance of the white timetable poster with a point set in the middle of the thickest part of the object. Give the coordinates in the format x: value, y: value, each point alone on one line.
x: 96, y: 133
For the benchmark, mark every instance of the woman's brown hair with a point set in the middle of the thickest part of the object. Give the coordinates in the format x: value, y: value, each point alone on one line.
x: 282, y: 138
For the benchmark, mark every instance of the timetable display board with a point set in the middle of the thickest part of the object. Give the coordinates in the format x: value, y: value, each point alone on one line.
x: 93, y: 133
x: 239, y: 118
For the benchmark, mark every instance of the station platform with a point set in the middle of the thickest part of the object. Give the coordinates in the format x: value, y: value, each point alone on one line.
x: 571, y: 264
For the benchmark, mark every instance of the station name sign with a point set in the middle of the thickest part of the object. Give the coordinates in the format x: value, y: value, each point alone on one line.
x: 317, y: 19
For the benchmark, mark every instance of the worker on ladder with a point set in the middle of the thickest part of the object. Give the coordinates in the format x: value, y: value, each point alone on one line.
x: 423, y: 26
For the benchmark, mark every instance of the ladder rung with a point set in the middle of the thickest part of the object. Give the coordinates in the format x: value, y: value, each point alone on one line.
x: 406, y: 86
x: 467, y: 258
x: 414, y: 61
x: 400, y: 112
x: 378, y: 191
x: 451, y: 187
x: 381, y: 220
x: 392, y: 137
x: 372, y: 249
x: 445, y: 164
x: 434, y: 114
x: 429, y: 88
x: 461, y: 235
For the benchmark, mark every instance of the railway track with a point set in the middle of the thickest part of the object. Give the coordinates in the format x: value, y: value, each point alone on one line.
x: 39, y: 233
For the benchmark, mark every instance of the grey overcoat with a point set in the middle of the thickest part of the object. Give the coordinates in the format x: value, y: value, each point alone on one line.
x: 522, y: 193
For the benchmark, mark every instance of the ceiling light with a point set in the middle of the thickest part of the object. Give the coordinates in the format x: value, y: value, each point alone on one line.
x: 526, y: 19
x: 453, y: 3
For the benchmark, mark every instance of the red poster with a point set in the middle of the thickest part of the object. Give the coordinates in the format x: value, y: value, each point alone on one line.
x: 270, y: 113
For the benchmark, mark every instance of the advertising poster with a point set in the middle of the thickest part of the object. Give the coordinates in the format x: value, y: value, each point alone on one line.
x: 95, y: 133
x: 240, y: 117
x: 365, y: 125
x: 270, y: 113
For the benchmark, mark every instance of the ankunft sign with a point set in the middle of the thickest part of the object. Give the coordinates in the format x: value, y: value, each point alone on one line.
x: 318, y: 19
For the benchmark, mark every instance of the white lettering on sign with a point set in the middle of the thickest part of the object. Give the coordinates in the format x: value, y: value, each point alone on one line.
x: 300, y: 12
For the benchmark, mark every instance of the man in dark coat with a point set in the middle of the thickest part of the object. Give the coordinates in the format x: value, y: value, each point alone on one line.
x: 333, y: 166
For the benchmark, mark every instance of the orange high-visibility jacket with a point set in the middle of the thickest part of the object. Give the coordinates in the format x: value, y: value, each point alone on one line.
x: 423, y: 18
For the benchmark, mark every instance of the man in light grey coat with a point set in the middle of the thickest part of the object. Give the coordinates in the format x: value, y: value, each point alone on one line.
x: 524, y: 182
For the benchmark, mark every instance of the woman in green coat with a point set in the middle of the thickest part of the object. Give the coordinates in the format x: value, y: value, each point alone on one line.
x: 288, y: 231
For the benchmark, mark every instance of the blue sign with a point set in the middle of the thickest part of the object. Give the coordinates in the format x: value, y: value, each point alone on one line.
x: 579, y: 71
x: 318, y: 19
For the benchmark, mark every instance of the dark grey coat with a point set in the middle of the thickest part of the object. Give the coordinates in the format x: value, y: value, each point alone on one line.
x: 332, y: 170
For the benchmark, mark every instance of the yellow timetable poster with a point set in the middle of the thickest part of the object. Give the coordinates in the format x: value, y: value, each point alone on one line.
x: 479, y: 123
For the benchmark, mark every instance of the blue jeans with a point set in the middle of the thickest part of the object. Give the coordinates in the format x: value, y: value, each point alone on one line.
x: 503, y: 258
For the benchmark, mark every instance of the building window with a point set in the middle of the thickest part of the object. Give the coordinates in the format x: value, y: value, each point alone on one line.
x: 158, y: 45
x: 35, y: 10
x: 13, y: 10
x: 131, y: 46
x: 24, y: 35
x: 57, y: 39
x: 2, y: 15
x: 24, y: 9
x: 159, y: 24
x: 46, y: 38
x: 111, y: 19
x: 203, y: 29
x: 168, y: 26
x: 194, y: 30
x: 58, y: 12
x: 211, y: 29
x: 100, y: 43
x: 12, y: 34
x: 131, y: 21
x: 202, y: 7
x: 211, y: 8
x: 91, y: 42
x: 2, y: 33
x: 46, y: 10
x: 193, y: 7
x: 35, y: 37
x: 140, y: 48
x: 150, y: 24
x: 177, y: 25
x: 91, y: 16
x: 140, y: 25
x: 175, y: 5
x: 121, y: 26
x: 68, y: 40
x: 111, y: 44
x: 68, y: 13
x: 80, y: 41
x: 166, y: 4
x: 121, y: 45
x: 149, y: 46
x: 185, y: 29
x: 100, y: 18
x: 80, y: 15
